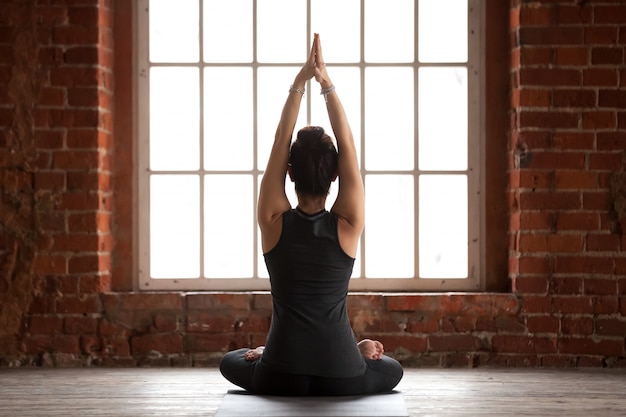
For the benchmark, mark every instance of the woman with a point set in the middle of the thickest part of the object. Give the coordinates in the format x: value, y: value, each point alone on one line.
x: 309, y: 253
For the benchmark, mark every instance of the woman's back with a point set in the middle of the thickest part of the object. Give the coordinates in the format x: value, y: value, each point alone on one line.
x: 310, y: 273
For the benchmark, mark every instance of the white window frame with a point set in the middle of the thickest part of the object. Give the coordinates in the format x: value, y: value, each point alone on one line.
x: 476, y: 232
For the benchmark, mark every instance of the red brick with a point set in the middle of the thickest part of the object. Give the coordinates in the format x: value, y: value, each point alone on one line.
x: 599, y: 120
x: 50, y: 139
x: 542, y: 200
x: 523, y: 344
x: 537, y: 220
x: 454, y: 343
x: 52, y: 97
x: 535, y: 139
x: 81, y: 55
x: 536, y: 179
x: 91, y: 345
x: 611, y: 326
x: 574, y: 56
x: 611, y: 141
x: 56, y: 344
x: 222, y: 342
x: 144, y: 301
x: 535, y: 265
x: 537, y: 16
x: 600, y: 200
x: 612, y: 98
x: 116, y: 346
x: 89, y: 263
x: 601, y: 35
x: 80, y: 325
x: 79, y: 305
x: 162, y: 343
x: 577, y: 221
x: 602, y: 243
x: 609, y: 13
x: 607, y: 56
x: 370, y: 302
x: 41, y: 305
x: 75, y: 35
x: 588, y: 346
x: 208, y: 322
x: 536, y: 56
x: 414, y: 344
x: 574, y: 98
x: 600, y: 286
x: 94, y: 284
x: 605, y: 305
x: 536, y: 304
x: 84, y: 96
x: 572, y: 305
x: 459, y: 324
x: 600, y: 77
x: 76, y: 243
x: 551, y: 243
x: 549, y: 119
x: 422, y: 324
x: 212, y: 301
x: 556, y: 35
x: 45, y: 325
x: 75, y: 160
x: 576, y: 325
x: 530, y: 285
x: 542, y: 324
x: 605, y: 161
x: 566, y: 286
x: 51, y: 264
x: 49, y: 180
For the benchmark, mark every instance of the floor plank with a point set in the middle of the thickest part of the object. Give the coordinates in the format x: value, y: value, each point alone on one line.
x: 140, y: 392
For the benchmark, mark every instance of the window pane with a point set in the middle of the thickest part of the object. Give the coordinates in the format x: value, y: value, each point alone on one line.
x: 348, y: 83
x: 442, y: 30
x: 227, y: 31
x: 174, y: 31
x: 228, y: 118
x: 389, y: 226
x: 389, y: 119
x: 228, y: 226
x: 443, y: 250
x: 280, y: 34
x: 174, y: 118
x: 389, y: 31
x: 443, y: 118
x: 273, y: 87
x: 174, y: 226
x: 338, y: 23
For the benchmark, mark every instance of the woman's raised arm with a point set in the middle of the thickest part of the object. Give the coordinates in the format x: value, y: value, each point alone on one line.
x: 273, y: 201
x: 349, y: 205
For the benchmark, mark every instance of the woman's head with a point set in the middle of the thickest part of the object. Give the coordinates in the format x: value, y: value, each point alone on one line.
x: 313, y: 161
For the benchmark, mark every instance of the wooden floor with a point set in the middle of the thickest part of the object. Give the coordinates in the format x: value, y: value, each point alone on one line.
x: 198, y: 392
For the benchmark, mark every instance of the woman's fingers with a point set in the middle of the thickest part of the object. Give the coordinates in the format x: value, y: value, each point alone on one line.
x: 319, y: 59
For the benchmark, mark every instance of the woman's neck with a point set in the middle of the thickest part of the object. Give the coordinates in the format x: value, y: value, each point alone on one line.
x: 311, y: 205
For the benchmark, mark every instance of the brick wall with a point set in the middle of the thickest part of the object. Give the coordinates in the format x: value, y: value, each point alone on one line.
x: 66, y: 271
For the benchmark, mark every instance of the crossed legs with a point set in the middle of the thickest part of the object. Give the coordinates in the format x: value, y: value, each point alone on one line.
x: 244, y: 368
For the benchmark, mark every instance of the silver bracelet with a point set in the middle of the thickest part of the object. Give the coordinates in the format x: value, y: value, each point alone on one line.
x: 301, y: 91
x: 326, y: 91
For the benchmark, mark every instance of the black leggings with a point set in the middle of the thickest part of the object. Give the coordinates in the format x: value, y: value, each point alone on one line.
x: 254, y: 376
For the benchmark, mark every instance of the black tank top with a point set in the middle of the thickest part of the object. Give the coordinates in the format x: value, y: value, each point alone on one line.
x: 310, y: 333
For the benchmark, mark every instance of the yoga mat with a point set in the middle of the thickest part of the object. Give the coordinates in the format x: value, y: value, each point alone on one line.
x: 238, y: 403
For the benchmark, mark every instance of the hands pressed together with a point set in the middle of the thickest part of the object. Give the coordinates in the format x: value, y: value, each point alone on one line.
x: 314, y: 67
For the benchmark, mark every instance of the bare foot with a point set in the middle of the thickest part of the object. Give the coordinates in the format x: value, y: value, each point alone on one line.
x: 254, y: 354
x: 371, y: 349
